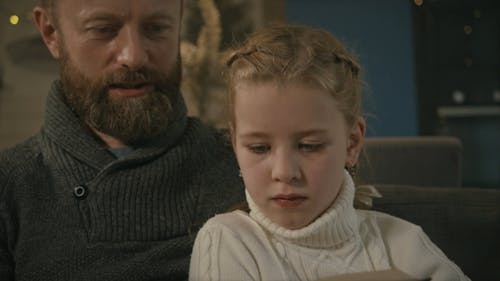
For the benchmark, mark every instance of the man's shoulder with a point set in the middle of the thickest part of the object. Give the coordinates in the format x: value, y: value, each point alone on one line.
x: 210, y: 144
x: 18, y: 158
x: 208, y: 134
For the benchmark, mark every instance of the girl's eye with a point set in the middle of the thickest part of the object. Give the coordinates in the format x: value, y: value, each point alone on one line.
x: 259, y: 148
x: 310, y: 147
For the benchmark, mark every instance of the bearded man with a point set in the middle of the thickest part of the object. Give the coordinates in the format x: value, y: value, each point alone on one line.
x: 119, y: 179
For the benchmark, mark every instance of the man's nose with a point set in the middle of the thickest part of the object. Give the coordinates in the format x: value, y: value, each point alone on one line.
x: 132, y: 49
x: 286, y: 167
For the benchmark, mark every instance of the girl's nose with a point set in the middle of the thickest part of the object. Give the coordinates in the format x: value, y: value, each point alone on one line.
x: 285, y: 167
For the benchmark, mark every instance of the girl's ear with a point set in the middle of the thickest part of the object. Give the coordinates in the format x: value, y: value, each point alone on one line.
x: 47, y: 30
x: 355, y: 141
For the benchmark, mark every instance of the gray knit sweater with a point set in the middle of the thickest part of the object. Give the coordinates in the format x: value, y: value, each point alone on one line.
x: 69, y: 210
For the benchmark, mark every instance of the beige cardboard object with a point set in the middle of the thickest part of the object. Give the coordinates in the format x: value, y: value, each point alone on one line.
x: 384, y: 275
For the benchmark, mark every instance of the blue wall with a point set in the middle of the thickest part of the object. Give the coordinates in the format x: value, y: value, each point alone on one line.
x: 380, y: 34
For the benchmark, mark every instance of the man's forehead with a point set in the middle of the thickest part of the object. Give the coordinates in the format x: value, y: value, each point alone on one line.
x: 86, y: 8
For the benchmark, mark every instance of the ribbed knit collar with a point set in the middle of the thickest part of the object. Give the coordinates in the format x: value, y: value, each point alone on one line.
x: 334, y: 227
x: 63, y: 127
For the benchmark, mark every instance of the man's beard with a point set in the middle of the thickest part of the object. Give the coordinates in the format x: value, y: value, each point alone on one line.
x: 129, y: 119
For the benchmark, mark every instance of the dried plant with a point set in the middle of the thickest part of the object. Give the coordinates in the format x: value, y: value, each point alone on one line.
x: 202, y: 85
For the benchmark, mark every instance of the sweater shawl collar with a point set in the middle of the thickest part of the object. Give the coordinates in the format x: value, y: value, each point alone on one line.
x: 64, y: 128
x: 336, y: 226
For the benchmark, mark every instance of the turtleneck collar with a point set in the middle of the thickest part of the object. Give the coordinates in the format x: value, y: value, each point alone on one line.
x: 63, y: 127
x: 337, y: 225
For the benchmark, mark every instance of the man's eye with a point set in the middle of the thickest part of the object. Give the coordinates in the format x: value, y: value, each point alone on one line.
x: 310, y: 147
x: 104, y: 30
x: 259, y: 148
x: 155, y: 28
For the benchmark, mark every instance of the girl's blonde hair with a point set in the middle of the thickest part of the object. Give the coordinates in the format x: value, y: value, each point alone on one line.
x: 292, y: 53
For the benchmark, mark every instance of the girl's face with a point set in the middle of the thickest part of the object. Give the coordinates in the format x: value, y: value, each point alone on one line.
x: 292, y: 144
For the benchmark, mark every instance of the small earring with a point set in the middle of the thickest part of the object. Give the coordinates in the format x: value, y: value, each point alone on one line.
x: 239, y: 174
x: 352, y: 170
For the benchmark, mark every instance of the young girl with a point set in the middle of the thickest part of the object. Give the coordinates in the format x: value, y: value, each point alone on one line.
x: 296, y: 128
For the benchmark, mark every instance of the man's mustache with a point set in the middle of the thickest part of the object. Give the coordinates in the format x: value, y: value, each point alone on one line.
x: 134, y: 78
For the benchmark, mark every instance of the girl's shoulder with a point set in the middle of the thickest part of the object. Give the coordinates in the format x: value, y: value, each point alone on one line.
x: 231, y: 220
x: 387, y: 223
x: 407, y: 245
x: 390, y: 231
x: 235, y: 230
x: 237, y: 224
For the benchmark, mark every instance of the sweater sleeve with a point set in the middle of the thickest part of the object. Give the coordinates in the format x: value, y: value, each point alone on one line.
x: 412, y: 251
x: 6, y: 261
x: 219, y: 254
x: 6, y: 264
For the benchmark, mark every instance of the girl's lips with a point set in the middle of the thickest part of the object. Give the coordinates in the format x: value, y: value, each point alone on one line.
x: 130, y: 90
x: 288, y: 201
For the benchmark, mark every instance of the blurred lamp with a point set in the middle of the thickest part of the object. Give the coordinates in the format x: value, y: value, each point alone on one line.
x: 14, y: 19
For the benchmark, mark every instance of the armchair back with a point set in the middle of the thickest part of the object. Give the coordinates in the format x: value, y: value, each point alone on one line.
x: 463, y: 222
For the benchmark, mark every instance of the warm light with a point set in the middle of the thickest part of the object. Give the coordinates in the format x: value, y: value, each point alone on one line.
x: 419, y: 2
x: 14, y: 19
x: 477, y: 13
x: 468, y: 29
x: 496, y: 95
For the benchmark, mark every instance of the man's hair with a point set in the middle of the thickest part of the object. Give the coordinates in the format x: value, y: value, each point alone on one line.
x: 47, y: 3
x: 50, y: 6
x: 288, y: 53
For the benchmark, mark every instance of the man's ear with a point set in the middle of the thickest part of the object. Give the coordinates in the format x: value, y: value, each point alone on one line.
x: 355, y: 141
x: 48, y: 31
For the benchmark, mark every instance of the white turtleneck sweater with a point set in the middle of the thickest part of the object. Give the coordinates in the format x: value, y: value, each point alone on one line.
x: 241, y: 246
